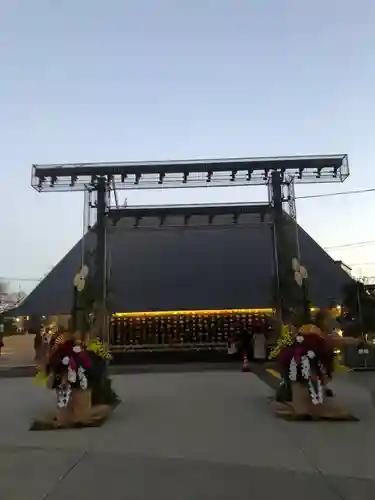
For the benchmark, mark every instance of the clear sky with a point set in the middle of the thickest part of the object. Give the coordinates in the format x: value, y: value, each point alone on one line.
x: 132, y: 80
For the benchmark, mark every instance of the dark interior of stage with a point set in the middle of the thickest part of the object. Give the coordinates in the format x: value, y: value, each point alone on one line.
x: 184, y: 335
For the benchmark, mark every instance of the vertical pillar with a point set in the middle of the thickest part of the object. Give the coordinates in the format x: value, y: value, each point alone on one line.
x: 286, y: 247
x: 276, y: 200
x: 100, y: 277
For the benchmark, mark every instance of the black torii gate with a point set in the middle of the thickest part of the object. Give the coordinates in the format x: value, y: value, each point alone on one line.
x: 280, y: 174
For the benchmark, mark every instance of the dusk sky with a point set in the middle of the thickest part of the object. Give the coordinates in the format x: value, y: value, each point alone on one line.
x: 151, y: 80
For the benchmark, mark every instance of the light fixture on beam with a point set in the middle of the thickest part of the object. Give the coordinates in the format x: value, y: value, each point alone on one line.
x: 40, y: 182
x: 123, y: 177
x: 137, y: 179
x: 335, y: 172
x: 319, y: 172
x: 53, y: 181
x: 73, y: 180
x: 249, y: 174
x: 209, y: 176
x: 233, y: 175
x: 300, y: 173
x: 161, y: 177
x: 266, y: 172
x: 185, y: 178
x: 186, y: 220
x: 235, y: 218
x: 162, y: 220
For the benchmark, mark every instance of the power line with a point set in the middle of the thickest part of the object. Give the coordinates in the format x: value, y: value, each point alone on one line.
x: 360, y: 264
x: 342, y: 193
x: 351, y: 245
x: 12, y: 278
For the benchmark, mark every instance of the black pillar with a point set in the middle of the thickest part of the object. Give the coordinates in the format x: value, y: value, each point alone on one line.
x: 277, y: 223
x: 289, y: 295
x: 100, y: 279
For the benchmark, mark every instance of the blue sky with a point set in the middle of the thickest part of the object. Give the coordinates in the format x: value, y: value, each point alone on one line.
x: 131, y: 80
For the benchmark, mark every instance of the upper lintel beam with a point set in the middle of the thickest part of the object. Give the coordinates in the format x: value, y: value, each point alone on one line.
x: 190, y: 166
x: 194, y: 173
x: 188, y: 210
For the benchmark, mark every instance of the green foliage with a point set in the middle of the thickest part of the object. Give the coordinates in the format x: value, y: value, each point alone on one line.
x: 284, y: 340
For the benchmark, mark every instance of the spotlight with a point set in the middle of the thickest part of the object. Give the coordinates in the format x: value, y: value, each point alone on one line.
x: 161, y: 178
x: 300, y: 173
x: 209, y: 176
x: 233, y: 175
x: 249, y: 174
x: 73, y: 180
x: 137, y: 179
x: 266, y: 173
x: 319, y: 172
x: 186, y: 175
x: 53, y: 181
x: 123, y: 177
x: 40, y: 182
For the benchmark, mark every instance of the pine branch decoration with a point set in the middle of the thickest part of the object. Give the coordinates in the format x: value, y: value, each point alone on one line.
x: 284, y: 340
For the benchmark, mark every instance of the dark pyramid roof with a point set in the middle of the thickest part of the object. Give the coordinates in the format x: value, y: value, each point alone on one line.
x: 219, y: 267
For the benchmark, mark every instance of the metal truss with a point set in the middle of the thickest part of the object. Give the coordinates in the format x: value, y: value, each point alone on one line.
x: 195, y: 173
x: 289, y: 197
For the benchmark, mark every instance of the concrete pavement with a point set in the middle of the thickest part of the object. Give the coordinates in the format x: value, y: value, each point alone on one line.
x: 207, y: 435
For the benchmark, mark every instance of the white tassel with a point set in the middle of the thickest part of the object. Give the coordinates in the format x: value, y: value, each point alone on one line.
x: 306, y: 372
x: 63, y: 397
x: 72, y: 376
x: 293, y: 370
x: 82, y: 378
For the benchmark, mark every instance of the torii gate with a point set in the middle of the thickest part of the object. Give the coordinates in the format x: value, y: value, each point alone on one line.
x: 99, y: 180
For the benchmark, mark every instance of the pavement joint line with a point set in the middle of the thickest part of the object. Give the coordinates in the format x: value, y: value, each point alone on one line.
x: 323, y: 476
x: 63, y: 476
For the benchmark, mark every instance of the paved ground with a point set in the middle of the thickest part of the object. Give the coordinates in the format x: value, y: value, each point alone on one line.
x: 186, y: 436
x: 18, y: 350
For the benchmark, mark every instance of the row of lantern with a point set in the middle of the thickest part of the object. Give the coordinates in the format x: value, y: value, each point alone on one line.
x: 184, y: 328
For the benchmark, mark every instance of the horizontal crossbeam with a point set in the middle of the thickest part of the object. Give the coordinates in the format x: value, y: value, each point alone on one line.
x: 193, y: 173
x: 188, y: 210
x: 161, y: 215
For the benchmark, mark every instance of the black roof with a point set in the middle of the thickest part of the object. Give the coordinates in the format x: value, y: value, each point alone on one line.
x: 201, y: 266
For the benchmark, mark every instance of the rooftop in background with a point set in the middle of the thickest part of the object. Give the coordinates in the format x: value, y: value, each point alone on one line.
x: 190, y: 173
